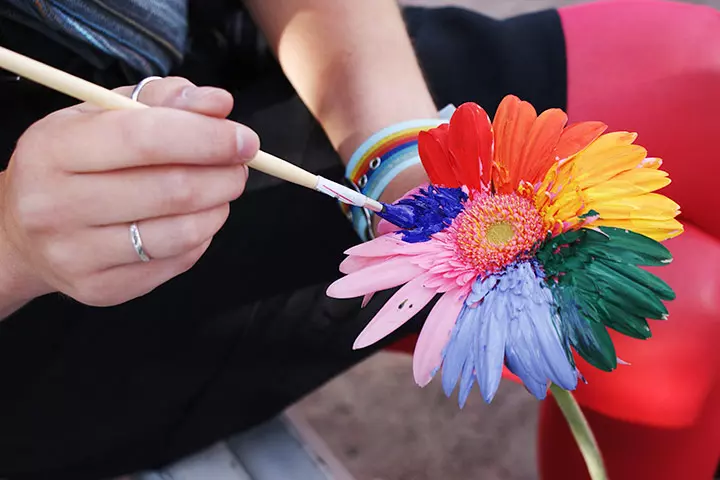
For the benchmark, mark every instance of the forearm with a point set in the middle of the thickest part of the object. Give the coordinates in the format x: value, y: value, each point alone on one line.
x: 351, y: 62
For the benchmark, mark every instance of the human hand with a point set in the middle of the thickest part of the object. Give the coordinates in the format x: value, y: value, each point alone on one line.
x: 81, y: 176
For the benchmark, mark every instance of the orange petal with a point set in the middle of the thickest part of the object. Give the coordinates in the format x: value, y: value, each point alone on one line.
x: 512, y: 124
x: 537, y: 156
x: 576, y: 138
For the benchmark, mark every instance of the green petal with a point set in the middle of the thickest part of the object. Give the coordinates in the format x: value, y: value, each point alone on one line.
x: 625, y: 292
x: 599, y: 267
x: 643, y: 277
x: 626, y: 247
x: 624, y: 322
x: 590, y: 339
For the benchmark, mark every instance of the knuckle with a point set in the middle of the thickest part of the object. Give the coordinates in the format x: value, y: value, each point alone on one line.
x: 63, y: 260
x: 36, y: 213
x: 175, y: 83
x: 139, y: 131
x: 179, y: 189
x: 224, y: 136
x: 216, y: 139
x: 192, y: 232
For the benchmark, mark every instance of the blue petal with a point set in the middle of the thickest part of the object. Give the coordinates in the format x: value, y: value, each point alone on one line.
x: 508, y: 317
x: 490, y: 345
x: 466, y: 383
x: 477, y: 344
x: 457, y: 353
x: 429, y: 212
x: 535, y: 349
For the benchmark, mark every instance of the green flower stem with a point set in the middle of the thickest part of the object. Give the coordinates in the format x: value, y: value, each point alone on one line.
x: 581, y: 431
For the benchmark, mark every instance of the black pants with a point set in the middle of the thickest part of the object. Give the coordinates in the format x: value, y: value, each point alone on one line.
x: 92, y: 393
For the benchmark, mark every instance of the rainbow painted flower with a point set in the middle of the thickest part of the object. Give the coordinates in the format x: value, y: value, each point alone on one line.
x: 533, y: 233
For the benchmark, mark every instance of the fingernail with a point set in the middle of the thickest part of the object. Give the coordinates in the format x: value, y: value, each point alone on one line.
x: 248, y: 143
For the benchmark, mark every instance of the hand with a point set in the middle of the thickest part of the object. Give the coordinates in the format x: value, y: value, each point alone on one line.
x: 82, y: 175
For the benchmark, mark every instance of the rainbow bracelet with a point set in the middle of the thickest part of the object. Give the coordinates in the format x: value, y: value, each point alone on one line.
x: 380, y: 159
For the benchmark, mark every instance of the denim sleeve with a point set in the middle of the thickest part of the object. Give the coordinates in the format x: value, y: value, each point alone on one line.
x: 148, y: 36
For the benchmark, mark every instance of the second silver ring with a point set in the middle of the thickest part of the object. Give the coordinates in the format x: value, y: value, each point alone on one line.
x: 138, y: 88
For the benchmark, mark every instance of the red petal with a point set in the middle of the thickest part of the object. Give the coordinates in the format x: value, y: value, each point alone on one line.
x: 512, y: 124
x: 432, y: 145
x: 539, y: 146
x: 470, y: 142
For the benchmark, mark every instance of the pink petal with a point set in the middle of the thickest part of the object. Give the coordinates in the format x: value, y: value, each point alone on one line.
x: 384, y: 227
x: 381, y: 276
x: 378, y: 247
x: 441, y: 284
x: 353, y: 264
x: 402, y: 306
x: 366, y: 299
x: 435, y: 335
x: 392, y: 245
x: 468, y: 277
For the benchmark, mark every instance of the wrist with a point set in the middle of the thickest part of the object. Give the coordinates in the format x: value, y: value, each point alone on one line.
x: 17, y: 286
x: 15, y: 290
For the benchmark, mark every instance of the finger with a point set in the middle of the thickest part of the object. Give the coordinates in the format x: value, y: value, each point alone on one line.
x: 176, y: 92
x: 125, y: 282
x: 153, y: 136
x: 141, y: 193
x: 164, y: 237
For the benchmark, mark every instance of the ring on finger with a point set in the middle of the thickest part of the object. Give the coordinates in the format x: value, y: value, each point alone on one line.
x: 137, y: 243
x: 138, y: 88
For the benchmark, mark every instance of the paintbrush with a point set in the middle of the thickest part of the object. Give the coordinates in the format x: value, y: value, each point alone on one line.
x: 94, y: 94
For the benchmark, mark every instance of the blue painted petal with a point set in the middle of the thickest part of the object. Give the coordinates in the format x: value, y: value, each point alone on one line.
x: 490, y: 344
x: 477, y: 344
x: 456, y: 353
x: 481, y: 288
x: 535, y: 346
x: 466, y: 383
x: 430, y: 211
x: 512, y: 318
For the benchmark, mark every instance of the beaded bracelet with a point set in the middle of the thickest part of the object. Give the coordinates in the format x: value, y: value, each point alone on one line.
x: 380, y: 159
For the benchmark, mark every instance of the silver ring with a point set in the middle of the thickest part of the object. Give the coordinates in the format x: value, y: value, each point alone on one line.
x: 137, y: 243
x: 138, y: 88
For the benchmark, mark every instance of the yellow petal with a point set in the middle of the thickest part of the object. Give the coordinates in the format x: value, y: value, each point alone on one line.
x: 647, y: 206
x: 594, y: 167
x: 629, y: 184
x: 656, y: 229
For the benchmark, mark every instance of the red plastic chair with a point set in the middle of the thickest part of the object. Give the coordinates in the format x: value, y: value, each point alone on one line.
x: 653, y: 67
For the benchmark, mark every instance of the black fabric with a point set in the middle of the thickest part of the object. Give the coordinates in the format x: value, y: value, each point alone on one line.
x: 90, y: 393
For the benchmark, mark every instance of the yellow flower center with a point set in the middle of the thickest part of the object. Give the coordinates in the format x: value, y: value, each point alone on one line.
x: 499, y: 233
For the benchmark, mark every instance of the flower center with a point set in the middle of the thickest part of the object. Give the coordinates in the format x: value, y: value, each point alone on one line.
x: 496, y: 230
x: 499, y: 233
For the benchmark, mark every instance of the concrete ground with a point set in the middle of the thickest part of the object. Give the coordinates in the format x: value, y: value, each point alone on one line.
x: 383, y: 427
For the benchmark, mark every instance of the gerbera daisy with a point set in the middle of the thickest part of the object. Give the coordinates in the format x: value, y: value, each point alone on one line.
x: 533, y: 234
